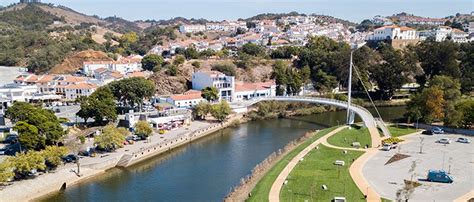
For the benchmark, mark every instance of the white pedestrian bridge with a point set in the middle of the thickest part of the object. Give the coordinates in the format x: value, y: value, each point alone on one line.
x: 369, y: 121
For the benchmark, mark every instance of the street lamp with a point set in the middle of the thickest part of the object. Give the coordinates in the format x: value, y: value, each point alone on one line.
x: 354, y: 47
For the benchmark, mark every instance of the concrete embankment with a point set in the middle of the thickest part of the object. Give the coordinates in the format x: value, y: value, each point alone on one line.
x: 34, y: 189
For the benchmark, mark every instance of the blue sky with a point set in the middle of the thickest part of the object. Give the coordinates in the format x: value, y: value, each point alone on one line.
x: 353, y: 10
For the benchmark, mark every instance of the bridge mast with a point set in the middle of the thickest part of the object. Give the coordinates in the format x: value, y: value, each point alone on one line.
x: 350, y: 114
x: 349, y: 88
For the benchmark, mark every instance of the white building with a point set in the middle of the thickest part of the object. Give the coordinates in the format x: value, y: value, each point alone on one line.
x: 447, y: 33
x: 246, y: 91
x: 186, y: 100
x: 224, y: 84
x: 192, y: 28
x: 74, y: 91
x: 124, y: 66
x: 393, y: 32
x: 15, y: 92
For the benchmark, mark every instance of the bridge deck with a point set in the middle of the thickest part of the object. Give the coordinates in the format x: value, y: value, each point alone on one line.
x: 364, y: 114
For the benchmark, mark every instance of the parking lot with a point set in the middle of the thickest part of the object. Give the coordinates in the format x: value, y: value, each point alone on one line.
x: 455, y: 158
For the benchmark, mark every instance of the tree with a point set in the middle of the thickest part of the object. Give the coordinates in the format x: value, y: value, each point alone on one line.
x: 253, y: 50
x: 221, y: 111
x: 391, y: 73
x: 132, y: 91
x: 466, y: 108
x: 152, y: 61
x: 19, y: 111
x: 99, y: 105
x: 24, y: 163
x: 228, y: 69
x: 437, y: 58
x: 210, y: 93
x: 6, y: 171
x: 191, y: 53
x: 323, y: 82
x: 201, y: 110
x: 171, y: 70
x: 53, y: 155
x: 279, y: 74
x: 29, y: 136
x: 179, y: 60
x: 111, y: 138
x: 451, y: 94
x: 433, y: 104
x: 143, y: 129
x: 45, y: 122
x: 467, y: 67
x: 196, y: 64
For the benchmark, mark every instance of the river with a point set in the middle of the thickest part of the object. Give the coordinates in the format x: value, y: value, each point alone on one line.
x: 206, y: 169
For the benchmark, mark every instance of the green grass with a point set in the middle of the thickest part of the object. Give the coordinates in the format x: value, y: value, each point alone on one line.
x: 398, y: 131
x: 386, y: 200
x: 317, y: 169
x: 262, y: 189
x: 345, y: 137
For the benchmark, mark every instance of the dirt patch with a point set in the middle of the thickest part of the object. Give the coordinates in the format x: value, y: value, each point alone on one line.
x: 397, y: 157
x: 74, y: 62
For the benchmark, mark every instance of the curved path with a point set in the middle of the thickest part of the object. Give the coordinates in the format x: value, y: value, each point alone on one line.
x: 369, y: 121
x: 355, y: 170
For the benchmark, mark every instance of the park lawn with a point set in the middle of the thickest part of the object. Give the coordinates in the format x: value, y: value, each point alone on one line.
x: 262, y: 189
x: 346, y: 137
x: 317, y: 169
x: 398, y: 131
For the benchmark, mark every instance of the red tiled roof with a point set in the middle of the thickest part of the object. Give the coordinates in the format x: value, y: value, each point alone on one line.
x: 136, y: 74
x: 241, y: 86
x: 187, y: 96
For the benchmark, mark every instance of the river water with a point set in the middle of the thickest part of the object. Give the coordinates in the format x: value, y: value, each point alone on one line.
x: 206, y: 169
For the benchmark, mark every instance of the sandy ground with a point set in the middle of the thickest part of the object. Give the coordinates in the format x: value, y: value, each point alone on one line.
x: 457, y: 158
x: 8, y: 74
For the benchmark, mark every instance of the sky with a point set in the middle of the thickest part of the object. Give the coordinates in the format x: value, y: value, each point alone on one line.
x: 353, y: 10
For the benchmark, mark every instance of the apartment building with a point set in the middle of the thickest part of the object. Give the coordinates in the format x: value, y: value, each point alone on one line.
x: 224, y: 84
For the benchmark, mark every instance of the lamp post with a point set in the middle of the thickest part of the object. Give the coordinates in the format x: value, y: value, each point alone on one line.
x: 354, y: 47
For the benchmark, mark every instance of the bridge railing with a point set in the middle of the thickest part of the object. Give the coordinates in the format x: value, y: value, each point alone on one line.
x: 312, y: 98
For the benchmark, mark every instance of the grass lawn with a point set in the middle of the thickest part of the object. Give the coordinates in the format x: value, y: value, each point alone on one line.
x: 400, y: 130
x: 345, y: 137
x: 386, y: 200
x: 262, y: 189
x: 317, y: 169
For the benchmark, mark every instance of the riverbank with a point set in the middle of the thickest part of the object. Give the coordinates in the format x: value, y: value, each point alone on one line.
x: 66, y: 176
x: 265, y: 173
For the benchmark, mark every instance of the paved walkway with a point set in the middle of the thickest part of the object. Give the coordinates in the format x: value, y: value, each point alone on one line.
x: 355, y: 170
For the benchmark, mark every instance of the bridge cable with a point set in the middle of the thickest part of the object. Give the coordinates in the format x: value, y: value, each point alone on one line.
x: 366, y: 91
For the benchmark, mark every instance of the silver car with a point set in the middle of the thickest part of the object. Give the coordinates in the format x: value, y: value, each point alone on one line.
x: 444, y: 141
x: 464, y: 140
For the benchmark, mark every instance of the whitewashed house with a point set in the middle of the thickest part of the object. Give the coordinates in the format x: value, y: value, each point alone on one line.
x: 393, y: 32
x: 74, y: 91
x: 246, y: 91
x: 225, y: 84
x: 186, y: 100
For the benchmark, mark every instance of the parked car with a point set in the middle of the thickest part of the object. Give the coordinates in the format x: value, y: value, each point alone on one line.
x: 71, y: 158
x: 437, y: 130
x: 427, y: 132
x: 464, y: 140
x: 444, y: 141
x: 388, y: 146
x: 11, y: 139
x: 439, y: 176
